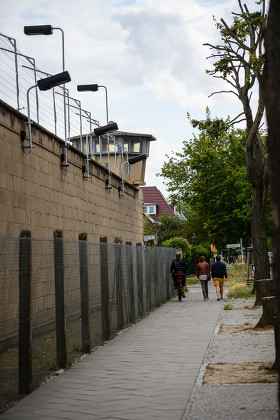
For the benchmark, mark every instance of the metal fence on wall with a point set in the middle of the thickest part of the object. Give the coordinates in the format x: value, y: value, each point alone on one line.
x: 62, y: 298
x: 18, y: 72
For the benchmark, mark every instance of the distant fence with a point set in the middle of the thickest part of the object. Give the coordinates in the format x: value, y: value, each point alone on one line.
x: 62, y: 298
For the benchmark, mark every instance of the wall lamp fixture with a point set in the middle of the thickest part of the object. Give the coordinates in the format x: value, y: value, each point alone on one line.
x: 38, y: 30
x: 45, y: 84
x: 99, y: 131
x: 94, y: 88
x: 131, y: 161
x: 106, y: 129
x: 87, y: 88
x: 48, y: 30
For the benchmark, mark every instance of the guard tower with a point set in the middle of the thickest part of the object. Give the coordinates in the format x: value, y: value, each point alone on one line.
x: 113, y: 151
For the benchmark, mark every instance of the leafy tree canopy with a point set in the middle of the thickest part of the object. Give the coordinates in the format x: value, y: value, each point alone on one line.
x: 210, y: 174
x: 180, y: 243
x: 168, y: 227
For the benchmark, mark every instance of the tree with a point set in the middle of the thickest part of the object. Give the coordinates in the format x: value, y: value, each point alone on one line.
x: 239, y: 60
x: 210, y: 174
x: 167, y: 227
x: 272, y: 102
x: 179, y: 243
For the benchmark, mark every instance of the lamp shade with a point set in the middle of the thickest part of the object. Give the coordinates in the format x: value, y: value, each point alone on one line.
x: 52, y: 81
x: 112, y: 126
x: 38, y: 30
x: 87, y: 88
x: 136, y: 159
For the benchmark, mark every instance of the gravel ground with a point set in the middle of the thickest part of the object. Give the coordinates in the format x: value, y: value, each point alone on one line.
x: 236, y: 401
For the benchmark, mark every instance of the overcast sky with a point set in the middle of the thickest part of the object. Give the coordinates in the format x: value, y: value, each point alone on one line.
x: 148, y: 53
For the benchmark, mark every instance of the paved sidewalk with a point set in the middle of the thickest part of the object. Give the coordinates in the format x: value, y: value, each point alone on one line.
x: 147, y: 372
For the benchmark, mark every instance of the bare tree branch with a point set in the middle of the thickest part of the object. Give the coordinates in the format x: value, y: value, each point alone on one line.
x: 239, y: 115
x: 223, y: 91
x: 230, y: 124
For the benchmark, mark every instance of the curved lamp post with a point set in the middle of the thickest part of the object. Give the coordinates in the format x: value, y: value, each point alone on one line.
x: 99, y: 131
x: 94, y: 88
x: 131, y: 161
x: 45, y: 84
x: 48, y: 30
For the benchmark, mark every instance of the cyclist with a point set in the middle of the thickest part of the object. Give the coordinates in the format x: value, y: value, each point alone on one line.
x: 178, y: 266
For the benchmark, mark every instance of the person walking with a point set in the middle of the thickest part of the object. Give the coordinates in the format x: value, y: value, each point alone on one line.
x: 219, y: 275
x: 178, y: 266
x: 203, y: 274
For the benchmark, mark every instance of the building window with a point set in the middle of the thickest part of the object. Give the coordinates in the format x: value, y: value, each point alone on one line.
x: 133, y: 145
x: 150, y: 209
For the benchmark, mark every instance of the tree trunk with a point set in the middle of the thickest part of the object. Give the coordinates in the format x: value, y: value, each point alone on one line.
x: 264, y: 288
x: 269, y: 312
x: 259, y: 236
x: 272, y: 101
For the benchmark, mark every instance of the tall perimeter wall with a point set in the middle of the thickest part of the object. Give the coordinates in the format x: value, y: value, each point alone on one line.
x: 36, y: 194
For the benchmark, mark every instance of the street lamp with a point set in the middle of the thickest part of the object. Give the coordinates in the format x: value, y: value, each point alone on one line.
x: 99, y: 131
x: 48, y: 30
x: 94, y: 88
x: 106, y: 129
x: 45, y: 84
x: 131, y: 161
x: 38, y: 30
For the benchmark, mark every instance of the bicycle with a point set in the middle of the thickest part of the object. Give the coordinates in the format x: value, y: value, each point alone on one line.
x: 179, y: 278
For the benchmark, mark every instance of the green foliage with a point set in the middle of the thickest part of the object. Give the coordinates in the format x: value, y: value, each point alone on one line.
x: 52, y: 365
x: 168, y: 227
x: 192, y: 280
x: 241, y: 48
x: 180, y: 243
x: 240, y: 290
x: 227, y: 307
x: 210, y: 174
x: 199, y: 250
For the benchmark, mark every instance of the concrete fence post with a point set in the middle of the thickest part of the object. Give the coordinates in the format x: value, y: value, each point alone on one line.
x: 25, y: 335
x: 139, y: 251
x: 130, y: 282
x: 59, y: 298
x: 83, y: 259
x: 104, y: 288
x: 148, y: 278
x: 119, y: 284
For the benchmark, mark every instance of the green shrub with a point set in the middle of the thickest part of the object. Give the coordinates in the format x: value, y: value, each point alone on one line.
x: 180, y: 243
x: 240, y: 290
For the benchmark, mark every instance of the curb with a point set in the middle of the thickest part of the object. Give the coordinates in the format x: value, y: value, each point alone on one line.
x: 202, y: 370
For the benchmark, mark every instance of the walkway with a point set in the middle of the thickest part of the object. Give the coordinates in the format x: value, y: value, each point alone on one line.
x: 146, y: 372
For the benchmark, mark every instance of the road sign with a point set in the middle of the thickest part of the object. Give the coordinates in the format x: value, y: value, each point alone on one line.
x: 151, y: 238
x: 233, y: 246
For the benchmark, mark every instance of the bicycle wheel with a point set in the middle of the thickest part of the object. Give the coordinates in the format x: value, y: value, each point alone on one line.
x: 179, y: 288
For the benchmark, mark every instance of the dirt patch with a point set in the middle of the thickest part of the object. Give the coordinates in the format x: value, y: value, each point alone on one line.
x: 239, y: 373
x: 237, y: 308
x: 230, y: 329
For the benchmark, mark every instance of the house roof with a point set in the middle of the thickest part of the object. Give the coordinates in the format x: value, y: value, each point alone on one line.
x: 152, y: 195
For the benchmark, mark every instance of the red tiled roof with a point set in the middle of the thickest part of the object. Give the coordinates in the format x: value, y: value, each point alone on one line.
x: 152, y: 195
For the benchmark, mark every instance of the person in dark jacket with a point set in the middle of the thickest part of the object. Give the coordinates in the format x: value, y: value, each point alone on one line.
x: 179, y: 266
x: 219, y: 275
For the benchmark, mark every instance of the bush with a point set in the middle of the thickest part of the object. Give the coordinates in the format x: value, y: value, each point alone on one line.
x: 179, y: 243
x: 240, y: 290
x: 235, y: 274
x: 198, y: 250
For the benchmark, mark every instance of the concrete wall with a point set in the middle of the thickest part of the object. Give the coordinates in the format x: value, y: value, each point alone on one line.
x: 38, y: 195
